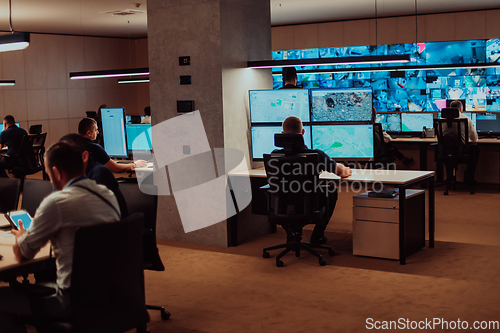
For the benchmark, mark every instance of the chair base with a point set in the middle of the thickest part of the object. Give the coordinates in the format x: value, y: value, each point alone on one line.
x: 165, y: 315
x: 296, y: 246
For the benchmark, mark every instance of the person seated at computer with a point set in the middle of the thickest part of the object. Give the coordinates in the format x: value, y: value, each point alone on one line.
x: 96, y: 171
x: 290, y: 78
x: 88, y: 129
x: 469, y: 173
x: 147, y: 117
x: 293, y: 125
x: 72, y: 205
x: 393, y: 151
x: 12, y: 137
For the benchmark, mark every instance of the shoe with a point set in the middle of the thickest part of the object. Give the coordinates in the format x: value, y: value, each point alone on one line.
x: 322, y: 240
x: 407, y: 161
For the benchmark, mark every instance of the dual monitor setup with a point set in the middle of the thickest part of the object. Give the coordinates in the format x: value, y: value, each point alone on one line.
x: 337, y: 121
x: 121, y: 136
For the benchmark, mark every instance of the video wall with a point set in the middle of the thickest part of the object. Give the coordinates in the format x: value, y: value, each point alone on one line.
x: 411, y: 90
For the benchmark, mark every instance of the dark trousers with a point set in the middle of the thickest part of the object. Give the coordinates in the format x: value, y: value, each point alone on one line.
x: 471, y: 165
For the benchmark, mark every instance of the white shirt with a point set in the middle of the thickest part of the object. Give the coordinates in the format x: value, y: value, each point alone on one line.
x: 472, y: 131
x: 59, y: 216
x: 146, y: 120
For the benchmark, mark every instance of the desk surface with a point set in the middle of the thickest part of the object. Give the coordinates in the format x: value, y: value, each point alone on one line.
x: 434, y: 140
x: 395, y: 177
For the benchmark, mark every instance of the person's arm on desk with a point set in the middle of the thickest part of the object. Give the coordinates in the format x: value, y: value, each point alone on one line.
x: 343, y: 171
x: 117, y: 168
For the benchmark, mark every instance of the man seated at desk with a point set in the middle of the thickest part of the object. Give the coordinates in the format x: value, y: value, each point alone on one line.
x: 56, y: 220
x: 88, y: 129
x: 473, y: 149
x: 293, y: 125
x: 12, y: 137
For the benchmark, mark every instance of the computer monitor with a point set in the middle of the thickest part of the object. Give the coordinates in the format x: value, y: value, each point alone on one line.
x: 415, y: 122
x: 133, y: 119
x: 269, y: 106
x: 17, y: 124
x: 472, y: 116
x: 113, y: 132
x: 391, y: 122
x: 341, y: 104
x: 344, y: 142
x: 139, y: 138
x: 488, y: 123
x: 263, y: 139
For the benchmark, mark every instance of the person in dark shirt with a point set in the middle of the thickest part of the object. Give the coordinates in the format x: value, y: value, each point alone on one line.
x: 293, y: 125
x: 290, y: 78
x: 96, y: 171
x: 11, y: 136
x: 87, y: 128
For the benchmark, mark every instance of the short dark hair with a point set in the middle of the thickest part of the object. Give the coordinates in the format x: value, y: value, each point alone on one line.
x: 76, y: 140
x: 289, y: 74
x: 65, y: 158
x: 9, y: 119
x: 147, y: 111
x: 456, y: 104
x: 85, y: 124
x: 292, y: 125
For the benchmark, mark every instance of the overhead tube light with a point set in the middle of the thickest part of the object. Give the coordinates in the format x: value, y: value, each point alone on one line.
x: 109, y: 73
x: 330, y: 61
x: 145, y: 80
x: 7, y: 82
x: 14, y: 41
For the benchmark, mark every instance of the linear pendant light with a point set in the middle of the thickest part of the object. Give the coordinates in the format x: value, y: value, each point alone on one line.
x: 137, y: 80
x: 330, y: 61
x: 109, y: 73
x: 7, y: 82
x: 14, y: 41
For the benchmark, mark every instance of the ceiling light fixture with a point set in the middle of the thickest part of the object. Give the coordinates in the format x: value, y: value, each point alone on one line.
x: 139, y: 80
x: 109, y: 73
x: 404, y: 58
x: 7, y: 82
x: 15, y: 40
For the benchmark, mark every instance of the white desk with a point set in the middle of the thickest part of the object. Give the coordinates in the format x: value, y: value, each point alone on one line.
x: 401, y: 179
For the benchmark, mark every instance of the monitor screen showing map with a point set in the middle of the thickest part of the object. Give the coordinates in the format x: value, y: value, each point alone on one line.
x: 343, y: 104
x: 415, y: 122
x: 269, y: 106
x: 391, y: 122
x: 263, y: 139
x: 344, y: 141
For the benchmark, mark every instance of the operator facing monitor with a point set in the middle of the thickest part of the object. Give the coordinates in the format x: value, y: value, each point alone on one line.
x: 263, y: 139
x: 113, y: 131
x: 269, y: 106
x: 344, y: 141
x: 415, y: 122
x: 139, y: 138
x: 341, y: 104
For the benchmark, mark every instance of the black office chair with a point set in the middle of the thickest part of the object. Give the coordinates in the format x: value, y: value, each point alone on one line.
x: 451, y: 149
x: 107, y: 281
x: 34, y: 191
x: 9, y: 194
x: 293, y: 196
x: 35, y: 129
x: 137, y: 201
x: 91, y: 114
x: 26, y: 162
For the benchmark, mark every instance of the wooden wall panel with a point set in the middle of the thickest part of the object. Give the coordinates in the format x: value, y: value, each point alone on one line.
x: 406, y: 30
x: 331, y: 34
x: 13, y: 68
x: 493, y: 23
x: 305, y: 36
x: 141, y: 52
x: 282, y: 38
x: 94, y: 98
x: 34, y: 62
x: 440, y: 27
x: 15, y: 103
x: 58, y: 129
x: 58, y: 103
x: 77, y: 104
x: 357, y: 32
x: 75, y: 60
x: 471, y: 25
x: 387, y: 30
x: 73, y: 124
x: 56, y: 62
x: 93, y: 59
x: 37, y: 104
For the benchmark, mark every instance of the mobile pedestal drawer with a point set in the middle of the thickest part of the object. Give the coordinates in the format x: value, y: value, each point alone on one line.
x: 375, y: 225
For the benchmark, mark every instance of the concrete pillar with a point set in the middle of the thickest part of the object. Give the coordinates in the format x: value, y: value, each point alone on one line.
x: 219, y: 36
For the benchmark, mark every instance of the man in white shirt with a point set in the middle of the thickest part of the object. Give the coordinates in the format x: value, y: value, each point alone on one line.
x: 77, y: 201
x: 473, y: 148
x: 147, y: 116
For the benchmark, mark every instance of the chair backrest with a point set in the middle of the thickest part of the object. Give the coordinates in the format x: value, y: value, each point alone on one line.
x: 107, y: 279
x: 452, y: 135
x: 378, y: 141
x: 293, y: 186
x: 39, y: 147
x: 35, y: 129
x: 139, y: 202
x: 91, y: 114
x: 9, y: 194
x: 34, y: 191
x: 450, y: 113
x: 291, y: 143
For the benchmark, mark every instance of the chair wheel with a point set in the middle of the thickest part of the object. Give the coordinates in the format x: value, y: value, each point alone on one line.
x: 322, y: 262
x: 445, y: 193
x: 331, y: 252
x: 280, y: 263
x: 165, y: 315
x: 266, y: 255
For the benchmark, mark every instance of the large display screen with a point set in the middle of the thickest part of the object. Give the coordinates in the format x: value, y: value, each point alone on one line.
x: 344, y: 141
x: 263, y: 139
x: 113, y: 132
x: 488, y: 122
x: 17, y: 124
x: 391, y: 122
x: 415, y: 122
x: 139, y: 138
x: 353, y: 104
x: 269, y: 106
